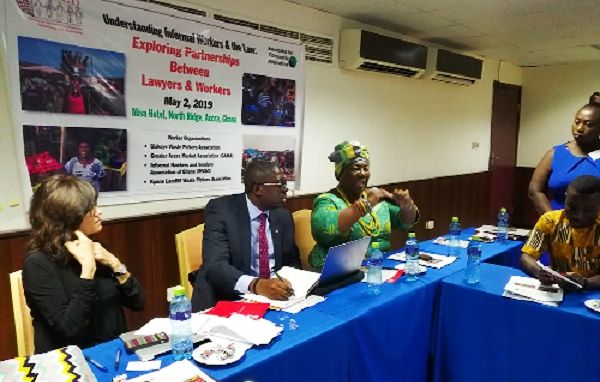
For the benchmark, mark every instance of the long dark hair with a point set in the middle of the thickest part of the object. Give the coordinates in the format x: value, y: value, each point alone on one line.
x: 57, y: 209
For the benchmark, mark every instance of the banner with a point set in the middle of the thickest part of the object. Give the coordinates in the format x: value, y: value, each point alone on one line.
x: 146, y: 102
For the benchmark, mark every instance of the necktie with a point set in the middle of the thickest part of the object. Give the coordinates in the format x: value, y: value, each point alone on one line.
x: 264, y: 271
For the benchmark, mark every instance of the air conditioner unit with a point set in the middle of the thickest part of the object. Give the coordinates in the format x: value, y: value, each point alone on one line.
x: 368, y: 51
x: 446, y: 66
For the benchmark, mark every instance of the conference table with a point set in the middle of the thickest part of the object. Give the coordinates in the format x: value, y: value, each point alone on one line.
x: 351, y: 336
x: 482, y: 336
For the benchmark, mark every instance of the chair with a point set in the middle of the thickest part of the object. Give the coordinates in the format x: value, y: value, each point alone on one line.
x: 22, y: 315
x: 188, y: 244
x: 304, y: 239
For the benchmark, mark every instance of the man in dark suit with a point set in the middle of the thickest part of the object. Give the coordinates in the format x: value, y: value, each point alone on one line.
x: 247, y: 237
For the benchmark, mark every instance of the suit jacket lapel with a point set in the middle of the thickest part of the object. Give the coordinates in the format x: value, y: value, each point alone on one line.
x: 276, y: 237
x: 243, y: 219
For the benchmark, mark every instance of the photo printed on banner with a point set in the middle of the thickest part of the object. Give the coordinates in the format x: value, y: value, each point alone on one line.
x: 271, y: 148
x: 63, y: 78
x: 96, y: 155
x: 268, y: 101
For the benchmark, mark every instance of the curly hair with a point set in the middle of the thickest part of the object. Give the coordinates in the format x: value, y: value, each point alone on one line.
x: 56, y: 211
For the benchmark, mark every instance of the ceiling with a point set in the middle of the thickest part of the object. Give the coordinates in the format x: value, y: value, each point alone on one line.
x: 524, y: 32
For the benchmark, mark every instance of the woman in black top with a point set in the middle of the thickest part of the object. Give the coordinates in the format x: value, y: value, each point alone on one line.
x: 74, y: 287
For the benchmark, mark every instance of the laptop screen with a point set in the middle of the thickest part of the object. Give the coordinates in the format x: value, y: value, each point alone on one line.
x: 344, y: 260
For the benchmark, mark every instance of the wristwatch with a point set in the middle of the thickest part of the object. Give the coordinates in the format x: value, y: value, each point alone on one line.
x: 121, y: 272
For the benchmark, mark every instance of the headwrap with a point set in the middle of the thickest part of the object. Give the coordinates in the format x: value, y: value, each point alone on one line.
x: 346, y: 153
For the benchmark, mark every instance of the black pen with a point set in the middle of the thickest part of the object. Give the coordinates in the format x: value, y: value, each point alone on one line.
x: 117, y: 359
x: 291, y: 290
x: 96, y: 363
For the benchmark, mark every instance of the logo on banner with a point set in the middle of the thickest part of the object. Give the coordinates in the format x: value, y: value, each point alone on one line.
x: 55, y: 12
x: 282, y: 57
x: 292, y: 62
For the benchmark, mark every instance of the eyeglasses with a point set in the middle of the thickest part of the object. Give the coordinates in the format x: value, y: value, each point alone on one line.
x: 281, y: 184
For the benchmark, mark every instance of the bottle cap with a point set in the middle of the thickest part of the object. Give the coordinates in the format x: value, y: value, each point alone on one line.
x: 178, y: 291
x: 411, y: 235
x: 454, y: 219
x: 475, y: 238
x: 375, y: 245
x: 502, y: 209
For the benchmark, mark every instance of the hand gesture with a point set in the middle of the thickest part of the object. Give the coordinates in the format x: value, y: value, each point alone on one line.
x: 574, y: 276
x: 375, y: 195
x: 274, y: 289
x: 546, y: 278
x: 402, y: 198
x: 82, y: 250
x: 104, y: 257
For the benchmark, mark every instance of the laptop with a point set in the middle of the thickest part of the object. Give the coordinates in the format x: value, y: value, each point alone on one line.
x: 342, y: 266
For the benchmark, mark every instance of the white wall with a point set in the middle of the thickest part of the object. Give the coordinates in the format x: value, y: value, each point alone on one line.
x: 551, y: 97
x: 415, y: 129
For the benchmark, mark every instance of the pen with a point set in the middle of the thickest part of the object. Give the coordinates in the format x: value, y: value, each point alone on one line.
x: 96, y: 363
x: 281, y: 279
x: 117, y: 359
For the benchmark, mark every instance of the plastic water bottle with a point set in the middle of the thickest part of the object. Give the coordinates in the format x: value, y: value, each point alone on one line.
x: 454, y: 237
x: 180, y: 313
x: 503, y: 225
x: 374, y: 270
x: 412, y: 257
x: 473, y: 261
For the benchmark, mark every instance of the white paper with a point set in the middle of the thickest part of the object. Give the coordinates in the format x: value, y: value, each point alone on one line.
x: 444, y: 241
x: 176, y: 372
x: 401, y: 267
x: 302, y: 281
x: 277, y: 304
x: 241, y: 328
x: 385, y: 274
x: 437, y: 261
x: 143, y: 365
x: 558, y: 275
x: 162, y: 324
x: 493, y: 230
x: 307, y: 303
x: 523, y: 298
x: 532, y: 289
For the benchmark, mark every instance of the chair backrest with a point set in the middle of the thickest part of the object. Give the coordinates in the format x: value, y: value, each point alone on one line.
x: 22, y: 315
x: 188, y: 244
x: 304, y: 239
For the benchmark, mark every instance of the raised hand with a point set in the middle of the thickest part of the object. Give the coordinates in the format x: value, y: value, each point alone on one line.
x: 376, y: 195
x: 402, y: 198
x: 83, y: 251
x: 104, y: 257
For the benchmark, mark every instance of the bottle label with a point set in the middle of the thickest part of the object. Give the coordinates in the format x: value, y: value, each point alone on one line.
x: 180, y: 316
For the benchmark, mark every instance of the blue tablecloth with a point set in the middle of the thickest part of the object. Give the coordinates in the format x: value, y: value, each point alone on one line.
x: 352, y: 336
x: 299, y: 352
x: 483, y: 336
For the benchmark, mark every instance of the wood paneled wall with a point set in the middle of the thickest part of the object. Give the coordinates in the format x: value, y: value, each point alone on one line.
x: 147, y: 244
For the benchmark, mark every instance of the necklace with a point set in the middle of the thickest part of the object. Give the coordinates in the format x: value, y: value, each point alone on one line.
x: 372, y: 228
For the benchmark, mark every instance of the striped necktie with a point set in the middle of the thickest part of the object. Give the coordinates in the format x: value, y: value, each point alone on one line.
x: 264, y: 271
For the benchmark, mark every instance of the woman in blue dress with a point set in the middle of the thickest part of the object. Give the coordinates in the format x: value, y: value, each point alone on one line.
x: 565, y: 162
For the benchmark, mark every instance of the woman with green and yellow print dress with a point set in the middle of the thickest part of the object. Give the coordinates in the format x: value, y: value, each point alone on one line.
x: 352, y: 211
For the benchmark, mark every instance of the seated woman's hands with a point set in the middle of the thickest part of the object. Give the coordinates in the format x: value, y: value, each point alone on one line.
x: 376, y: 195
x: 400, y: 197
x: 104, y: 257
x: 83, y: 251
x: 403, y: 199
